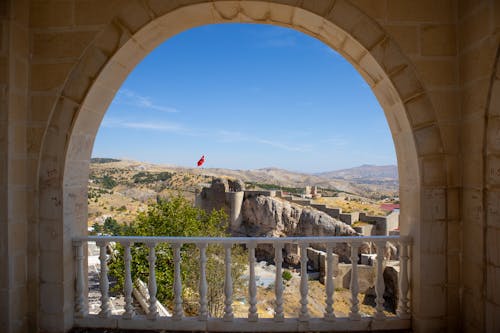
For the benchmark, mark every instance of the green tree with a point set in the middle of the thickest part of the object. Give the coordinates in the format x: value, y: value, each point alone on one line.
x: 177, y: 217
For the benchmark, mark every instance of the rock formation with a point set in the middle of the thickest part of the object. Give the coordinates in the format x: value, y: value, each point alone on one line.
x: 265, y: 216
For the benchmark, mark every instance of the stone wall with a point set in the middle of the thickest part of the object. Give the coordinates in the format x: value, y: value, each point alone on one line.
x: 430, y: 63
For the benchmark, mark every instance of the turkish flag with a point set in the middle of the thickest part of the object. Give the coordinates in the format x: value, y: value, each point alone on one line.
x: 201, y: 161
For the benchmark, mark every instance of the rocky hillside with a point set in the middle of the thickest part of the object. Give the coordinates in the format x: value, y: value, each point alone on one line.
x: 369, y: 172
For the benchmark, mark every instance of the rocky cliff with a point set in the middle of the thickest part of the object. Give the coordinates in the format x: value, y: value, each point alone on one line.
x: 265, y: 216
x: 274, y: 217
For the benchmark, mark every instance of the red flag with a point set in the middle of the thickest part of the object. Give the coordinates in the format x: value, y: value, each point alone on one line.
x: 201, y: 161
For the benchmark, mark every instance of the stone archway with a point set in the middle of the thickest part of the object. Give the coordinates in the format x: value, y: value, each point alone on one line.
x: 136, y: 30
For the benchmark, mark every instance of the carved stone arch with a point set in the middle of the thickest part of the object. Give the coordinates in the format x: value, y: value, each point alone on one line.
x: 138, y: 28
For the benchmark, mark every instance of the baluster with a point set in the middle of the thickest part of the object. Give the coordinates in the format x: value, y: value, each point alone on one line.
x: 80, y: 305
x: 153, y: 311
x: 354, y: 315
x: 380, y: 286
x: 228, y: 285
x: 127, y: 258
x: 104, y: 282
x: 178, y: 310
x: 329, y: 314
x: 203, y: 313
x: 278, y: 283
x: 304, y: 312
x: 252, y: 286
x: 403, y: 309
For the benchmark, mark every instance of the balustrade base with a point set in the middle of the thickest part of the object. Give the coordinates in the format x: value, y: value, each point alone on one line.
x: 243, y: 325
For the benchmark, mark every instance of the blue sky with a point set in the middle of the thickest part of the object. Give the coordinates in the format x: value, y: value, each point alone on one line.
x: 246, y: 96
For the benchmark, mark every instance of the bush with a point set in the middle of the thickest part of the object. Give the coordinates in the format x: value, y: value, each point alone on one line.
x: 177, y: 217
x: 286, y: 275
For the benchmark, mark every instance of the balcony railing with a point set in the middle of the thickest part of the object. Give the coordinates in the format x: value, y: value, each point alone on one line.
x: 303, y: 321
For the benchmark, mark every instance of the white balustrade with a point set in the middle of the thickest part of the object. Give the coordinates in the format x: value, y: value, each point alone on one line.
x: 329, y: 321
x: 304, y: 312
x: 203, y: 312
x: 329, y: 284
x: 379, y: 284
x: 153, y: 310
x: 127, y: 258
x: 403, y: 310
x: 278, y: 283
x: 104, y: 282
x: 252, y: 286
x: 80, y: 305
x: 178, y: 310
x: 354, y: 286
x: 228, y: 285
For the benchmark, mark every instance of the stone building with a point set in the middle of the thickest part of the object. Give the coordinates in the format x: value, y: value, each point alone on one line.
x: 432, y: 64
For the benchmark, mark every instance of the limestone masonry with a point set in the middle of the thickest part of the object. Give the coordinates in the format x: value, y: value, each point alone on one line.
x: 432, y: 64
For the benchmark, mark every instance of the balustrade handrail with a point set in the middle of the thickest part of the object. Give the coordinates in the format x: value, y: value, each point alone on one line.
x: 244, y: 240
x: 303, y: 322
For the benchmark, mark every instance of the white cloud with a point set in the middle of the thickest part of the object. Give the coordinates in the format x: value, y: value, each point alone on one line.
x: 129, y: 97
x: 156, y: 126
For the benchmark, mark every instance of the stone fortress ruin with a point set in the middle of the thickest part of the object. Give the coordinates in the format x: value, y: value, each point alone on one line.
x: 272, y: 213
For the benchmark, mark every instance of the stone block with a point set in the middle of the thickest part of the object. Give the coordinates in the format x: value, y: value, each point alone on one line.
x: 454, y: 238
x: 493, y: 246
x: 41, y: 106
x: 433, y: 171
x: 472, y: 170
x: 368, y: 33
x: 476, y: 63
x: 405, y: 36
x: 407, y: 84
x: 473, y: 243
x: 493, y: 208
x: 111, y: 38
x: 450, y: 134
x: 19, y: 36
x: 372, y: 71
x: 421, y: 11
x: 474, y: 97
x: 345, y: 15
x: 49, y: 76
x: 428, y: 140
x: 371, y: 8
x: 256, y: 11
x: 438, y: 40
x: 494, y: 103
x: 353, y: 50
x: 50, y: 14
x: 434, y: 308
x: 133, y: 14
x: 18, y: 172
x: 281, y: 13
x: 61, y: 44
x: 473, y: 27
x: 437, y: 73
x: 493, y: 134
x: 446, y: 105
x: 420, y: 111
x: 433, y: 267
x: 473, y: 133
x: 309, y: 21
x: 92, y: 12
x: 492, y: 317
x: 433, y: 239
x: 493, y: 169
x: 453, y: 267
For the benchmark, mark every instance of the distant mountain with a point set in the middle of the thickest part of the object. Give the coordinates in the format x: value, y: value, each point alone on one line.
x: 367, y: 172
x: 366, y: 180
